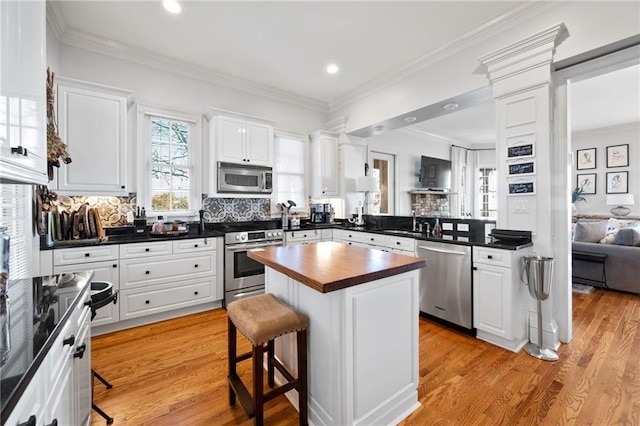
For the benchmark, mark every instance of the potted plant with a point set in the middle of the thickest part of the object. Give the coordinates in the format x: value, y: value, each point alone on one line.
x: 576, y: 196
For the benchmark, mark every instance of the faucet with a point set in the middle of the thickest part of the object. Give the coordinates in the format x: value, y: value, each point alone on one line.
x: 413, y: 214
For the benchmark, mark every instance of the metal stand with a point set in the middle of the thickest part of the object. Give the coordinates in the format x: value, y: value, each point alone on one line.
x: 539, y: 351
x: 538, y: 272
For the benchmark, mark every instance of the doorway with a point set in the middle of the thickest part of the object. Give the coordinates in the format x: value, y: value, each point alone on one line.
x: 384, y: 169
x: 577, y: 127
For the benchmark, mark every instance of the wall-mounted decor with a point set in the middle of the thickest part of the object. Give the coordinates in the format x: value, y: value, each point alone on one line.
x: 524, y: 187
x: 586, y: 159
x: 618, y: 156
x: 520, y: 169
x: 587, y: 182
x: 520, y: 151
x: 617, y: 182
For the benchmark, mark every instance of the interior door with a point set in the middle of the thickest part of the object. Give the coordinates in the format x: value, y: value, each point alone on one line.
x: 384, y: 168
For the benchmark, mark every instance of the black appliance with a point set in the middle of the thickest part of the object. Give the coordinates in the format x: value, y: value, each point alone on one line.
x: 320, y: 213
x: 435, y: 174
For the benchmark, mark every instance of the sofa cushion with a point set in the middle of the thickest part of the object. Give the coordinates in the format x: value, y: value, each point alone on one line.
x: 628, y: 236
x: 590, y: 232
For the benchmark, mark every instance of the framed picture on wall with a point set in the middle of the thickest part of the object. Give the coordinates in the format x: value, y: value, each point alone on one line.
x: 586, y: 159
x: 617, y: 182
x: 618, y: 156
x: 587, y: 182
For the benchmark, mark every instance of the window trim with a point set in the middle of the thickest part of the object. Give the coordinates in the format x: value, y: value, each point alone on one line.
x: 143, y: 179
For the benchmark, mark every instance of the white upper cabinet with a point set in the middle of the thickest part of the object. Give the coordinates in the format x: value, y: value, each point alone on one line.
x: 92, y: 121
x: 243, y: 141
x: 325, y: 171
x: 23, y: 140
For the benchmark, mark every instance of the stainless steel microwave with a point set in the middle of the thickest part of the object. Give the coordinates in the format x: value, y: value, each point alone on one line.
x: 244, y: 179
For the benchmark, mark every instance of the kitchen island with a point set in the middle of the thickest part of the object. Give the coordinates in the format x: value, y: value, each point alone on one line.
x: 362, y: 306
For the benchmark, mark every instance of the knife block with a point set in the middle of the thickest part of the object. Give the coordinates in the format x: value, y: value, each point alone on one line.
x: 140, y: 226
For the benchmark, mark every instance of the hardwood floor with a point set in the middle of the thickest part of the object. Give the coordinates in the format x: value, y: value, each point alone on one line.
x: 174, y: 373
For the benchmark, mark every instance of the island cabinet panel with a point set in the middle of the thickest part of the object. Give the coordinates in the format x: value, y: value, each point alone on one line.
x: 362, y: 348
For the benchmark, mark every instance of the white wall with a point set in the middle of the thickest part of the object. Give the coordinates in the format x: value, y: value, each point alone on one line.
x: 408, y: 149
x: 590, y: 25
x: 600, y: 139
x: 160, y: 88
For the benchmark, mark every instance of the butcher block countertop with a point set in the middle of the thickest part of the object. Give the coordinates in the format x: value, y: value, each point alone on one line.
x: 330, y: 266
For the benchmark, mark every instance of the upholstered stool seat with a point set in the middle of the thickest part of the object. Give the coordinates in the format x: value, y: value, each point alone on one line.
x: 261, y: 319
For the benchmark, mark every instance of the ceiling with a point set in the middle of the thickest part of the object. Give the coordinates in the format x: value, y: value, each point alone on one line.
x: 606, y: 100
x: 284, y: 47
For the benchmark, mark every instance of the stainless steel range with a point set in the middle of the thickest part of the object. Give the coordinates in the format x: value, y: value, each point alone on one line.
x: 243, y: 276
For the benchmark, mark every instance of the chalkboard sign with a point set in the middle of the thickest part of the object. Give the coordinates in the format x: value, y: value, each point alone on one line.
x: 521, y: 168
x: 521, y: 188
x: 520, y: 151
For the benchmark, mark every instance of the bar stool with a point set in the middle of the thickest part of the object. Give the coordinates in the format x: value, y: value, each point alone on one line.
x: 101, y: 295
x: 261, y: 319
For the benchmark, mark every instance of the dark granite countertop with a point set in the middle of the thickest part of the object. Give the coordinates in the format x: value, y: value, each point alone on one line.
x: 32, y: 314
x: 126, y: 235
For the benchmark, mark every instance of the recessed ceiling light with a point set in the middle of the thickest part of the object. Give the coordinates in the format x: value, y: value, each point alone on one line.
x: 378, y: 128
x: 332, y: 68
x: 410, y: 119
x: 451, y: 106
x: 172, y: 6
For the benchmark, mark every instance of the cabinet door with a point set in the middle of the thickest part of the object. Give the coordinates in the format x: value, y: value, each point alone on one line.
x: 82, y: 376
x: 93, y: 125
x: 23, y: 145
x: 102, y: 271
x: 230, y: 140
x: 492, y: 300
x: 330, y: 178
x: 259, y: 139
x: 60, y: 403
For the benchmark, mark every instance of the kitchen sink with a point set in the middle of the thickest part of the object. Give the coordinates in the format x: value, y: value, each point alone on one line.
x: 403, y: 232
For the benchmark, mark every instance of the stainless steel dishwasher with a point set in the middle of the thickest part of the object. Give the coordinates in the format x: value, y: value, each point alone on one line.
x: 445, y: 284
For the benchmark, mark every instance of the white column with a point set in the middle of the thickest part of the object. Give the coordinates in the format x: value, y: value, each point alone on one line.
x: 521, y: 76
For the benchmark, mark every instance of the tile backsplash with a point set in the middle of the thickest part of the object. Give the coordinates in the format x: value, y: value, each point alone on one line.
x: 113, y: 210
x: 236, y: 209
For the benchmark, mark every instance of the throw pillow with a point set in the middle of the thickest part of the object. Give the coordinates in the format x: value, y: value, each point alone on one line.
x: 590, y: 232
x: 628, y: 237
x: 613, y: 226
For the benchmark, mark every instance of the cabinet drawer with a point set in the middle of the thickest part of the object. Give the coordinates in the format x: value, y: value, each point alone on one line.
x: 408, y: 244
x: 491, y: 256
x: 312, y: 235
x: 141, y: 302
x: 60, y: 352
x: 353, y: 236
x: 72, y: 256
x: 128, y: 251
x: 194, y: 246
x: 373, y: 239
x: 162, y: 269
x: 400, y: 251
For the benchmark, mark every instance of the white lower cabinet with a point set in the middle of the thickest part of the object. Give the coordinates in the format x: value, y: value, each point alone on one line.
x: 32, y: 403
x: 153, y: 283
x: 499, y: 298
x: 302, y: 237
x: 106, y: 269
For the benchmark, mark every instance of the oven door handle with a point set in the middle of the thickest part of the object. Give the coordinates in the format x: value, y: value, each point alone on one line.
x: 243, y: 247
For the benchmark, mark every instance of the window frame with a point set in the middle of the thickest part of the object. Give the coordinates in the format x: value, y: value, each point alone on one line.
x: 144, y: 115
x: 482, y: 194
x: 302, y: 205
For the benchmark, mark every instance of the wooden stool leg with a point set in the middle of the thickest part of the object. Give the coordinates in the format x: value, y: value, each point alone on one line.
x: 258, y: 390
x: 232, y: 355
x: 270, y: 368
x: 302, y: 376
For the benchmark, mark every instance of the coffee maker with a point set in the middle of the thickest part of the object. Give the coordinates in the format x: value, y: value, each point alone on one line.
x: 320, y: 213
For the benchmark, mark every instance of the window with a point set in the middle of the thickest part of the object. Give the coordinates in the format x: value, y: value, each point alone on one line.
x: 488, y: 192
x: 290, y: 170
x: 15, y: 214
x: 170, y: 183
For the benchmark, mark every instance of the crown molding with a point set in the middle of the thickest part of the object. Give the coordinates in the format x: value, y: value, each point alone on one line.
x: 484, y: 32
x: 633, y: 125
x: 55, y: 19
x: 127, y: 52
